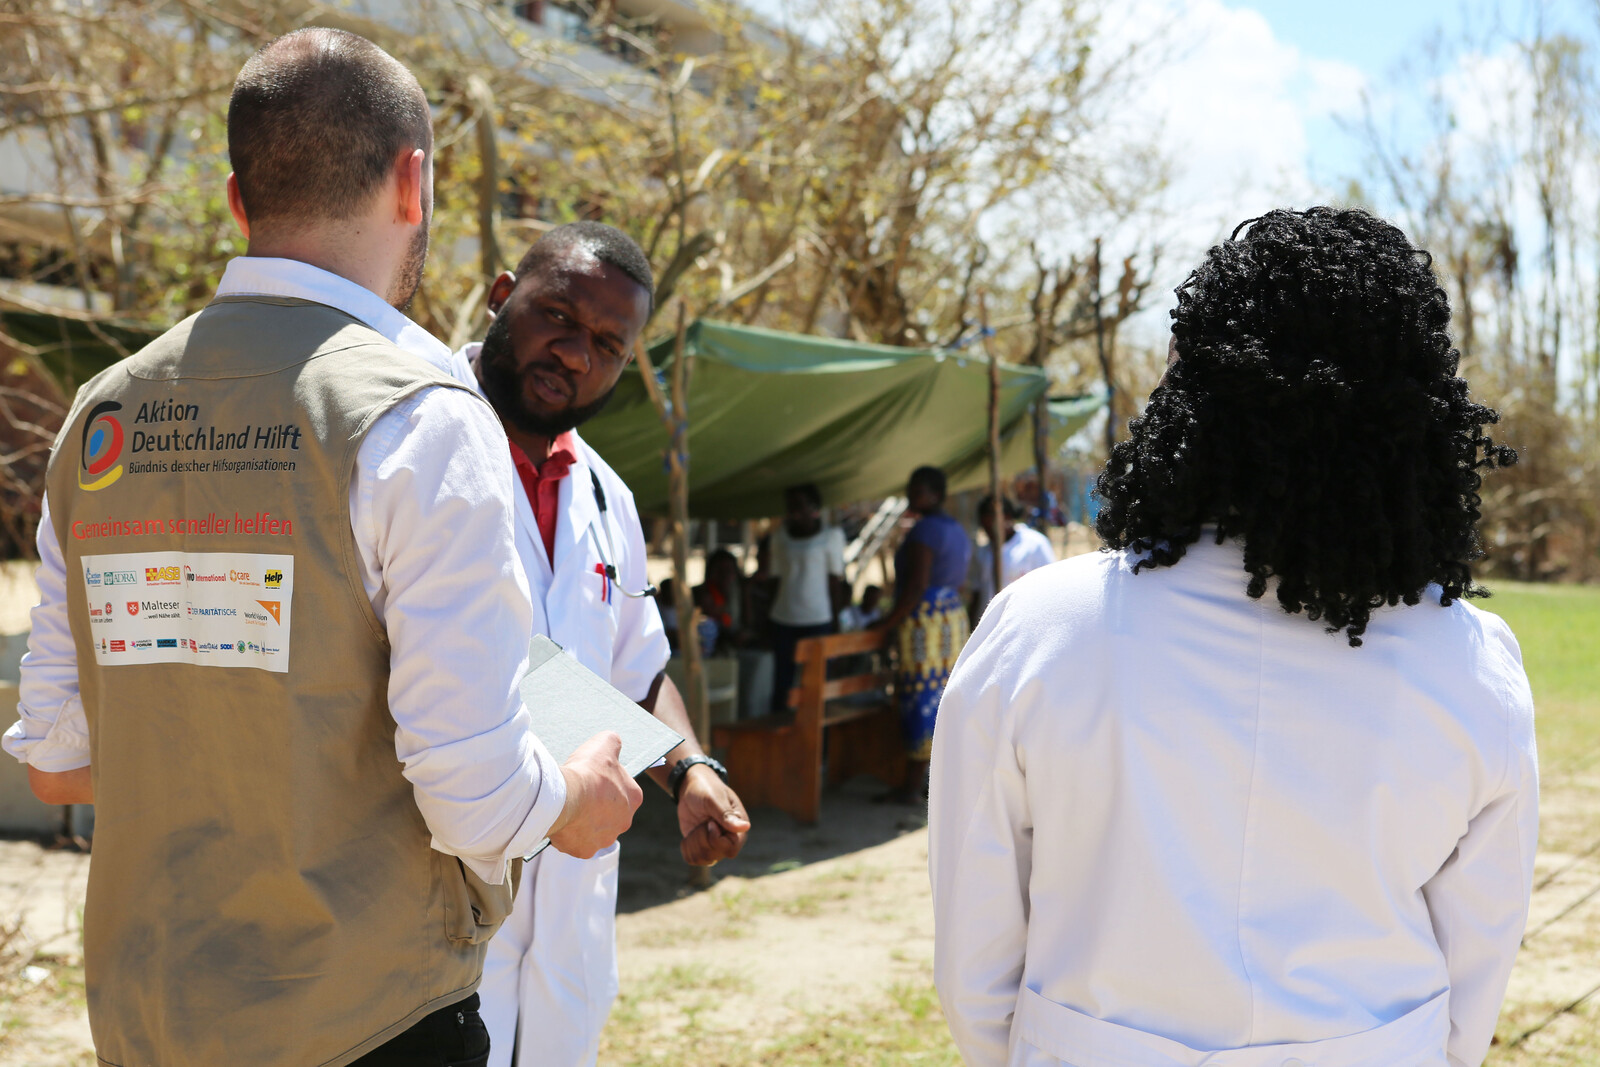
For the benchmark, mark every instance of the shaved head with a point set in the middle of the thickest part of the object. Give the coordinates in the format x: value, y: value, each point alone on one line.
x: 317, y: 119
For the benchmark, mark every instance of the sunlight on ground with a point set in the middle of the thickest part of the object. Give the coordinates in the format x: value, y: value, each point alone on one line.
x: 827, y: 964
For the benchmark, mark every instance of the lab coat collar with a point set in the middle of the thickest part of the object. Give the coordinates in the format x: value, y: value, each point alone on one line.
x: 271, y: 276
x: 579, y: 509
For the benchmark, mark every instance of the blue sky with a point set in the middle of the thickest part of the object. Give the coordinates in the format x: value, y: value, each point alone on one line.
x: 1375, y: 37
x: 1368, y: 34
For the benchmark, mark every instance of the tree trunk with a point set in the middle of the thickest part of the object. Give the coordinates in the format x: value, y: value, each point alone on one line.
x: 488, y: 177
x: 1105, y: 356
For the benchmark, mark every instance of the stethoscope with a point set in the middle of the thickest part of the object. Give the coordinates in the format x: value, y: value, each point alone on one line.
x: 605, y: 566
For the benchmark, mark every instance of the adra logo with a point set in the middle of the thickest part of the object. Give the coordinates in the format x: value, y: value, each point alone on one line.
x: 102, y: 447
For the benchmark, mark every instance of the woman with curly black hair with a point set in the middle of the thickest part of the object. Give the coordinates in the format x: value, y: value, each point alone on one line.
x: 1255, y: 786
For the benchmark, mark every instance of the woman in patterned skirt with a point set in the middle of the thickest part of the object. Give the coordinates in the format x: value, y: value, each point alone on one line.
x: 930, y: 568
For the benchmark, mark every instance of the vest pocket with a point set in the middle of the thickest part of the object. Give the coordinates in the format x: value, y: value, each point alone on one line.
x: 474, y: 909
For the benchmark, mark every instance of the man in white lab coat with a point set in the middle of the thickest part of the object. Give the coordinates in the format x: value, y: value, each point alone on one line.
x: 564, y: 328
x: 1256, y: 787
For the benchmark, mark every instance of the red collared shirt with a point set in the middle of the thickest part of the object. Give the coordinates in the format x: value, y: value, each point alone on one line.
x: 542, y: 483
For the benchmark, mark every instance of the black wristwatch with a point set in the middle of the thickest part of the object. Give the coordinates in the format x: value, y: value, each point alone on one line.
x: 681, y: 771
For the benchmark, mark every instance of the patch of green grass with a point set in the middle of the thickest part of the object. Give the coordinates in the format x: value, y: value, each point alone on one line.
x: 909, y: 1029
x: 742, y: 904
x: 857, y: 872
x: 1558, y: 627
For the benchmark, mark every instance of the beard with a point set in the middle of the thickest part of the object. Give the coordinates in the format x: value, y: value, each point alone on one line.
x: 409, y: 278
x: 503, y: 385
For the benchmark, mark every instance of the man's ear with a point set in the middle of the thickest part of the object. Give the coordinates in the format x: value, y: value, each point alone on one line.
x: 409, y: 168
x: 236, y: 205
x: 500, y: 292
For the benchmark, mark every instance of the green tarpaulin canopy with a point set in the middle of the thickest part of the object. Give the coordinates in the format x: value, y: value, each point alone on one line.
x: 770, y: 409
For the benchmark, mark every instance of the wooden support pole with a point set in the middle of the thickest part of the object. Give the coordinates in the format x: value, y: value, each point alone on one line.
x: 996, y: 510
x: 678, y: 495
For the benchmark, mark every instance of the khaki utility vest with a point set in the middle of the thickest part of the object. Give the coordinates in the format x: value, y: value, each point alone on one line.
x: 262, y: 890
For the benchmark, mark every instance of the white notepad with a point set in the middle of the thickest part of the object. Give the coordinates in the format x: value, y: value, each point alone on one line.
x: 569, y: 704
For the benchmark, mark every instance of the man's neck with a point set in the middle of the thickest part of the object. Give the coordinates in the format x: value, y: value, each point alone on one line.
x: 357, y: 263
x: 535, y: 446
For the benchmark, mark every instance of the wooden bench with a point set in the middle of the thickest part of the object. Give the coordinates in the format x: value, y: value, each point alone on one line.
x: 778, y: 759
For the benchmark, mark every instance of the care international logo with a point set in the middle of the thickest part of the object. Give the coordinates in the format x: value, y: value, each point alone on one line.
x: 102, y: 447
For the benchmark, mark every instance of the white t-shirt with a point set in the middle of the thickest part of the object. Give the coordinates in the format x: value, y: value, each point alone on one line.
x: 803, y: 565
x: 1027, y: 550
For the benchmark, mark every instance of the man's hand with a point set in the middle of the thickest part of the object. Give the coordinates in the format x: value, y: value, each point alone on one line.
x: 710, y: 817
x: 601, y: 798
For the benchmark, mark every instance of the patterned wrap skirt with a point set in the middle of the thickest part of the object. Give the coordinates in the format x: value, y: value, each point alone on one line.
x: 930, y: 641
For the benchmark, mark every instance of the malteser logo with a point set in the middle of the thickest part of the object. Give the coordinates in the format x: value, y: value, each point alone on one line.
x: 274, y: 579
x: 133, y: 607
x: 102, y: 447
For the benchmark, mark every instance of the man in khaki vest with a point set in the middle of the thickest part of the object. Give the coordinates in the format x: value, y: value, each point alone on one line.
x: 281, y: 625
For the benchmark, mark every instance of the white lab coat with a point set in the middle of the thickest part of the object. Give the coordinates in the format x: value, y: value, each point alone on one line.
x: 1173, y: 826
x: 554, y: 962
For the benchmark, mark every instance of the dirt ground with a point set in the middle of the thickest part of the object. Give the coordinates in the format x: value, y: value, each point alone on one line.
x: 1552, y: 1012
x: 825, y: 927
x: 815, y: 946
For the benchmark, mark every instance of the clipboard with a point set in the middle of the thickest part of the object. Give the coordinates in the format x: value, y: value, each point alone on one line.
x: 568, y: 704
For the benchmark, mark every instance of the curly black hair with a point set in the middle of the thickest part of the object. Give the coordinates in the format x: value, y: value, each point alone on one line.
x: 1313, y: 413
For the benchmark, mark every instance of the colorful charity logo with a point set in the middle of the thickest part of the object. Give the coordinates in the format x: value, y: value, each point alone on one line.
x: 102, y: 447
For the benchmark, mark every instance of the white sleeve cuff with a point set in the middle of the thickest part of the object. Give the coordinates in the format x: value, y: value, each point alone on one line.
x: 546, y: 809
x: 64, y: 745
x: 535, y: 826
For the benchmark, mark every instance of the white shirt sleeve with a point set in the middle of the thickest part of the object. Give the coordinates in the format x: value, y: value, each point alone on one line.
x: 641, y: 650
x: 52, y: 732
x: 1044, y: 551
x: 779, y: 542
x: 433, y: 515
x: 836, y: 551
x: 1478, y: 900
x: 980, y: 848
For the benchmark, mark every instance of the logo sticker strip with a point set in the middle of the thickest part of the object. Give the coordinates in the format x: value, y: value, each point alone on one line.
x: 211, y: 609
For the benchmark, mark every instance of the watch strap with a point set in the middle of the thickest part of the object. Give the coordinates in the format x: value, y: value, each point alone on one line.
x: 681, y: 770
